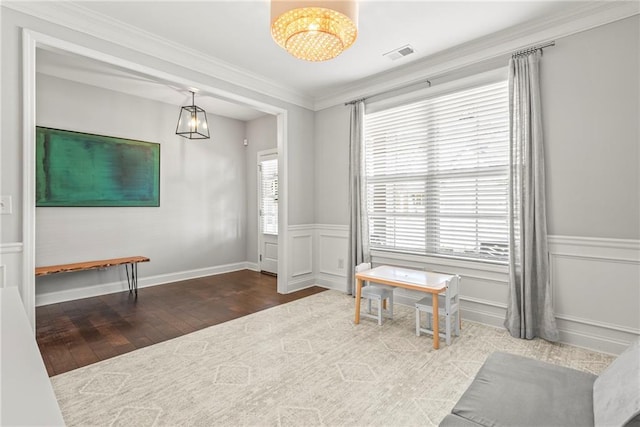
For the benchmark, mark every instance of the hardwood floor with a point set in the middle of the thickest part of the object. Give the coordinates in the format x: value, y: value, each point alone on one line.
x: 77, y: 333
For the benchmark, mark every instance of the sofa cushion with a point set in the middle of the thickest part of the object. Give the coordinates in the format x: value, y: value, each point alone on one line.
x: 616, y: 392
x: 512, y: 390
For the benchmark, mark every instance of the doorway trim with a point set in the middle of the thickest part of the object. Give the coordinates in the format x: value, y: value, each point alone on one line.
x: 33, y: 40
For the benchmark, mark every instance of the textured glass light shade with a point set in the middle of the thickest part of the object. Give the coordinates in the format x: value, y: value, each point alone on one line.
x: 192, y: 122
x: 314, y: 30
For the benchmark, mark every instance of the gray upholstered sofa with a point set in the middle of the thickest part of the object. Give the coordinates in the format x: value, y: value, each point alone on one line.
x: 512, y: 390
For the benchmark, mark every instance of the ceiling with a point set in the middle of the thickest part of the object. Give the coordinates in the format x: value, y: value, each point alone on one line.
x: 95, y: 73
x: 236, y: 35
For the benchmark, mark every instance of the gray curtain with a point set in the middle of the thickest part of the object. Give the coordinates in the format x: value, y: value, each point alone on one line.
x: 358, y: 221
x: 529, y: 308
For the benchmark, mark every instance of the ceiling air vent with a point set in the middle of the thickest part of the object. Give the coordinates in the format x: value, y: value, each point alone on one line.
x: 399, y: 52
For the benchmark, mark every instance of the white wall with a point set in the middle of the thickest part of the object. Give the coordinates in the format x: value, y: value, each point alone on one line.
x: 201, y: 221
x: 590, y: 98
x: 261, y: 134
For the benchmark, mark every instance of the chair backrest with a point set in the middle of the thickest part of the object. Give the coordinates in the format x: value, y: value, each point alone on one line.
x: 453, y: 292
x: 363, y: 267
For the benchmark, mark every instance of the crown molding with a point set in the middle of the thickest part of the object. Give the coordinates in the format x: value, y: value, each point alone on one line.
x: 81, y: 19
x: 494, y: 46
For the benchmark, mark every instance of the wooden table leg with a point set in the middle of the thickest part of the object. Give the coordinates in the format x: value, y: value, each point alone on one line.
x: 436, y: 322
x: 358, y: 297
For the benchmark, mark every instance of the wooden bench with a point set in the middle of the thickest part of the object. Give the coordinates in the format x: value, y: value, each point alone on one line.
x: 132, y: 278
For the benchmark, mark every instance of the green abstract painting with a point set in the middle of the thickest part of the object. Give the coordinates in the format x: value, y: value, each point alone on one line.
x: 81, y: 169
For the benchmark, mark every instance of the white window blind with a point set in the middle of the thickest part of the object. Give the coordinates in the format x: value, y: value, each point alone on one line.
x: 437, y: 174
x: 269, y: 196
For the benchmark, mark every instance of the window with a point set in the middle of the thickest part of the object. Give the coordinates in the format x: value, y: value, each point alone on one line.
x: 269, y: 195
x: 437, y: 175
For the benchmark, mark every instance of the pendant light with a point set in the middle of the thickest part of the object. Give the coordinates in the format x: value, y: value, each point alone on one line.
x: 314, y: 30
x: 192, y: 122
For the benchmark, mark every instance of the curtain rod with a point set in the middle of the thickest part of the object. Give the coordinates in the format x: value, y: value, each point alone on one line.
x: 516, y: 53
x: 388, y: 90
x: 533, y: 48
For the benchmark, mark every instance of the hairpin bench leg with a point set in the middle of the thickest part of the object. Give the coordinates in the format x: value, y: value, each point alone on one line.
x: 133, y: 280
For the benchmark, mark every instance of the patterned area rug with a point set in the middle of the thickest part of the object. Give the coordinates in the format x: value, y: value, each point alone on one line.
x: 300, y: 364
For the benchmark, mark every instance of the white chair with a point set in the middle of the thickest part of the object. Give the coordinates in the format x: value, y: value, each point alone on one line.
x: 379, y: 293
x: 448, y: 306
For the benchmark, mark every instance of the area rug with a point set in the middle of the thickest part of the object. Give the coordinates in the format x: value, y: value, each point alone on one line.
x: 300, y: 364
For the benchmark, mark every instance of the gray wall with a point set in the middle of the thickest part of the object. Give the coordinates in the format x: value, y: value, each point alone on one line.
x: 301, y: 167
x: 590, y: 98
x: 201, y: 221
x: 261, y: 135
x: 332, y: 165
x: 299, y: 131
x: 590, y: 94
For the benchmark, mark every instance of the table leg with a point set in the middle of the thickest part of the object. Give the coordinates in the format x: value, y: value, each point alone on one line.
x: 436, y: 322
x: 358, y: 298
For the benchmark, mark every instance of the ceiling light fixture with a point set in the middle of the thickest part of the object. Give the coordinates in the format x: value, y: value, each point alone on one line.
x: 192, y: 122
x: 314, y: 30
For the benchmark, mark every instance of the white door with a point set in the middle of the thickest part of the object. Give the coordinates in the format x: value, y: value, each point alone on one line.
x: 268, y: 211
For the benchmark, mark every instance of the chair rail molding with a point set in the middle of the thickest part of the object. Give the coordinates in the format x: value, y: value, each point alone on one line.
x: 11, y: 248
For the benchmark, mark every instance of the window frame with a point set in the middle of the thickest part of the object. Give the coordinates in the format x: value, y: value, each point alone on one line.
x: 485, y: 78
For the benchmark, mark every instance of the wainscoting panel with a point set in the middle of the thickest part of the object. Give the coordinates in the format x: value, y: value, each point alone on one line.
x: 11, y: 265
x: 596, y: 290
x: 331, y: 256
x: 300, y: 262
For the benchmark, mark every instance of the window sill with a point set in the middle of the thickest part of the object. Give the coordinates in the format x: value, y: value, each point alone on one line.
x: 479, y: 265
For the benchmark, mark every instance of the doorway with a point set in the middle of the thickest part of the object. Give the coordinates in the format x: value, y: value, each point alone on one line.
x: 34, y: 41
x: 268, y: 211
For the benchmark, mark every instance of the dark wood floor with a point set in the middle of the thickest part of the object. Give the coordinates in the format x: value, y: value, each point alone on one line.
x: 77, y: 333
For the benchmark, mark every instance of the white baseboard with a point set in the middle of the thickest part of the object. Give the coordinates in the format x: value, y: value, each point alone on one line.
x: 334, y: 283
x: 474, y: 310
x: 120, y: 286
x: 299, y: 284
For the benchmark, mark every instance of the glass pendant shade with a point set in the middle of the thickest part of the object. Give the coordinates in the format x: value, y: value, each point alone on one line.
x: 314, y: 30
x: 192, y: 122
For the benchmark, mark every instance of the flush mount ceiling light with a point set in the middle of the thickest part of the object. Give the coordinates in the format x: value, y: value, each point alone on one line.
x: 192, y: 122
x: 314, y: 30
